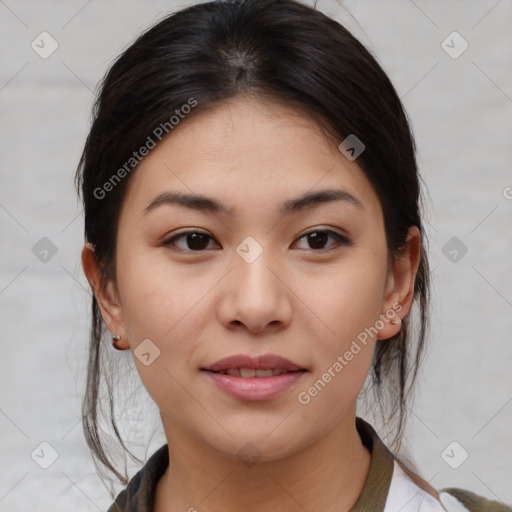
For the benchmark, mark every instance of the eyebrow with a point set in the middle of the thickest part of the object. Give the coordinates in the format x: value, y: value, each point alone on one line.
x: 204, y: 203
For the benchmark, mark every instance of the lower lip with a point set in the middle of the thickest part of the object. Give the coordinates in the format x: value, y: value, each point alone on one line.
x: 255, y: 388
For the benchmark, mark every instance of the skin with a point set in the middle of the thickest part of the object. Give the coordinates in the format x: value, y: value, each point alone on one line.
x: 295, y: 300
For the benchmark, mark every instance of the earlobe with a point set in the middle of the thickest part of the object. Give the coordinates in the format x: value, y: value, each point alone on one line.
x: 105, y: 293
x: 400, y: 285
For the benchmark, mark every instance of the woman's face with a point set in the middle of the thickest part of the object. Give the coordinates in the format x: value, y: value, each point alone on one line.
x: 253, y: 280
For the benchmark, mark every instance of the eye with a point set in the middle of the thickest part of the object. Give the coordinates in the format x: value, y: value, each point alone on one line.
x: 195, y: 241
x: 318, y: 238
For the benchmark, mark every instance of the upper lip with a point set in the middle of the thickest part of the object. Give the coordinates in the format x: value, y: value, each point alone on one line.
x: 263, y: 362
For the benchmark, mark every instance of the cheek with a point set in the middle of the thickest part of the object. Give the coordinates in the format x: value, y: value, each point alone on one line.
x: 157, y: 297
x: 348, y: 299
x: 347, y: 304
x: 164, y: 305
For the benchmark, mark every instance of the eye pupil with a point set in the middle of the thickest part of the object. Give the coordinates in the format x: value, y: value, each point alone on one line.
x: 197, y: 241
x: 318, y: 239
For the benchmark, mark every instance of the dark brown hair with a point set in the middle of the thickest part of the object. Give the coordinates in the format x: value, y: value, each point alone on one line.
x: 280, y: 50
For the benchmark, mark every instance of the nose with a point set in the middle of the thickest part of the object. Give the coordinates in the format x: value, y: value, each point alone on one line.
x: 254, y: 295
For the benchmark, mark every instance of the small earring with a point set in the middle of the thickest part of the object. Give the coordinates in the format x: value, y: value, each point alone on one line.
x: 397, y: 321
x: 115, y: 339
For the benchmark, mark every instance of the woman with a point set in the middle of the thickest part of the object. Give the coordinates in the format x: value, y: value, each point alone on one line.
x: 254, y: 237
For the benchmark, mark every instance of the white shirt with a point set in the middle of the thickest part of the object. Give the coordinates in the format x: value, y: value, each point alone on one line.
x: 405, y: 496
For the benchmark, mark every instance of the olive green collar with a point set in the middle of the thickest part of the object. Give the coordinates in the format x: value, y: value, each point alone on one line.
x: 375, y: 490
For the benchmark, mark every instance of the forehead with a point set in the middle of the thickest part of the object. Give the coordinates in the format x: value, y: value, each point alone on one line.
x: 247, y: 153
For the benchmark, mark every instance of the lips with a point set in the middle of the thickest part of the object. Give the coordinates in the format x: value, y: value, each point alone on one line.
x: 251, y: 378
x: 246, y: 366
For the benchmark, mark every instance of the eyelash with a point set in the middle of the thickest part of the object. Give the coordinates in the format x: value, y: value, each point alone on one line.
x: 340, y: 240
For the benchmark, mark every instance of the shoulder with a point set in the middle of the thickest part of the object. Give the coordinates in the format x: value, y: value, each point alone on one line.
x: 391, y: 488
x: 407, y: 496
x: 139, y: 494
x: 474, y: 502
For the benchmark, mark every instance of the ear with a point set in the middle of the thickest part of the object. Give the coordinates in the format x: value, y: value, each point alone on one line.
x: 399, y: 292
x: 106, y: 295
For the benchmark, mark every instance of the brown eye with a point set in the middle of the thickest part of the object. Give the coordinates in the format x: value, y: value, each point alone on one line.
x: 318, y: 239
x: 195, y: 241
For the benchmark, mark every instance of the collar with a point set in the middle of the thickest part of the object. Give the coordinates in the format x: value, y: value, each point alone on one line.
x: 376, y: 488
x: 140, y: 492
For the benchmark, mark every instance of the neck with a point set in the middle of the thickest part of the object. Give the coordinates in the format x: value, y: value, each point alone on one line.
x: 328, y: 475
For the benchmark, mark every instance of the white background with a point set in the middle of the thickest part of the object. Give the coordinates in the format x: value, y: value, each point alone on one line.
x: 461, y: 113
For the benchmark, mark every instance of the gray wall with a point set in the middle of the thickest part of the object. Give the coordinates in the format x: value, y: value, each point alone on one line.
x: 461, y: 112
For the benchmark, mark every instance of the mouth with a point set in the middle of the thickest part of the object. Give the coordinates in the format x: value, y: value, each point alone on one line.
x: 254, y: 378
x: 247, y: 366
x: 249, y: 373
